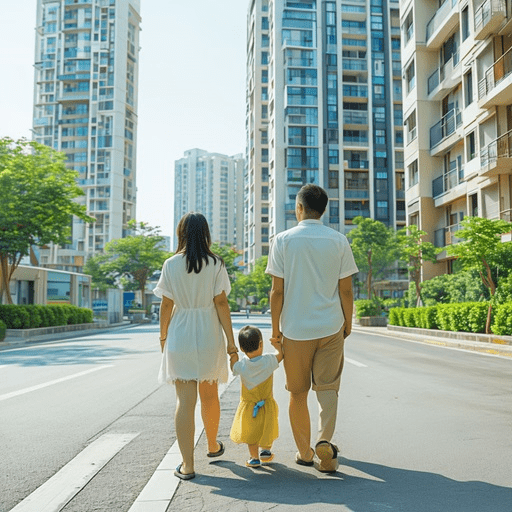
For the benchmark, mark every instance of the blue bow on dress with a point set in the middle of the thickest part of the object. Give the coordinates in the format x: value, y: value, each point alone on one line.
x: 257, y: 407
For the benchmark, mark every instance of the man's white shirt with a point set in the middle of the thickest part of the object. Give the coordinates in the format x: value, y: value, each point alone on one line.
x: 311, y: 258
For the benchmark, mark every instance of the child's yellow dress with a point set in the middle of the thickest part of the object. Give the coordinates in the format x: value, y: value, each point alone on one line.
x: 256, y: 425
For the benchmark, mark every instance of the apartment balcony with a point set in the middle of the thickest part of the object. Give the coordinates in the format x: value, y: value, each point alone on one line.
x: 354, y: 117
x: 297, y: 43
x: 444, y: 78
x: 357, y: 194
x: 355, y: 65
x: 444, y: 133
x: 496, y: 86
x: 74, y: 96
x: 356, y: 164
x: 496, y: 158
x: 446, y: 236
x: 488, y: 17
x: 446, y: 188
x: 442, y: 24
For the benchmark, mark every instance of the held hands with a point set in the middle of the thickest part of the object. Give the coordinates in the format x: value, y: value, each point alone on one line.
x: 347, y: 330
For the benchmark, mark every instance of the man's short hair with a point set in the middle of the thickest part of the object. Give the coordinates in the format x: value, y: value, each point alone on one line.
x: 249, y: 338
x: 313, y: 198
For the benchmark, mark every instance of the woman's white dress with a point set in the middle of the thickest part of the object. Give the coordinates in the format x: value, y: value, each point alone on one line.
x: 195, y: 348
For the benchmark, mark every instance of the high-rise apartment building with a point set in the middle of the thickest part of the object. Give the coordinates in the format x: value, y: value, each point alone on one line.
x: 211, y: 184
x: 457, y: 71
x: 85, y: 104
x: 324, y: 106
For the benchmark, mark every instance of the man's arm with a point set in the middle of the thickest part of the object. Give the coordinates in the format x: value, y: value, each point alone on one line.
x: 347, y: 302
x: 276, y: 305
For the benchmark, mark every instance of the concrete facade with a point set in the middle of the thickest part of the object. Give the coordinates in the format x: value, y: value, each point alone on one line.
x: 85, y: 105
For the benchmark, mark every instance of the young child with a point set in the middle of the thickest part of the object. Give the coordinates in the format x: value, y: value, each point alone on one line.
x: 255, y: 422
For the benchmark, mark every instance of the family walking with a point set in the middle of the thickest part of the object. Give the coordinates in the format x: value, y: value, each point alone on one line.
x: 311, y: 309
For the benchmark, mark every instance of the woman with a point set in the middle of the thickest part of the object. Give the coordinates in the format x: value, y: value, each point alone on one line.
x: 194, y: 286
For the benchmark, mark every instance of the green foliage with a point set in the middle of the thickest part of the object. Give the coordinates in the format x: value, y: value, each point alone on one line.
x: 503, y: 319
x: 504, y: 290
x: 414, y: 251
x: 35, y: 315
x: 464, y: 286
x: 37, y: 201
x: 256, y: 283
x: 228, y: 255
x: 2, y: 330
x: 375, y: 249
x: 133, y: 259
x: 365, y: 307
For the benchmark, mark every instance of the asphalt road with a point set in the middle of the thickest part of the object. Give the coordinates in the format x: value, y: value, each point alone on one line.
x: 420, y: 427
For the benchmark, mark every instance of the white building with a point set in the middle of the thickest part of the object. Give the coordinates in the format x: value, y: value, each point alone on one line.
x: 457, y: 69
x: 211, y: 184
x: 324, y: 107
x: 85, y: 104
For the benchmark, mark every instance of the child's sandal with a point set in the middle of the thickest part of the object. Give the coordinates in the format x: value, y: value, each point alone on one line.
x: 253, y: 463
x: 266, y: 456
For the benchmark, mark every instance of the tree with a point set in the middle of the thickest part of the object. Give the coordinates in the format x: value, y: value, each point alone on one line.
x: 481, y: 248
x: 135, y: 258
x: 374, y: 247
x: 414, y: 251
x: 37, y: 202
x: 100, y: 280
x: 228, y: 255
x: 256, y: 283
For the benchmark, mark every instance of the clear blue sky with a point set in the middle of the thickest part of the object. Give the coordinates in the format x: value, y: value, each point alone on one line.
x: 191, y: 87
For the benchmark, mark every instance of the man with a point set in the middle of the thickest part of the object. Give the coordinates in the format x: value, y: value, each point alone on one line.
x: 311, y: 306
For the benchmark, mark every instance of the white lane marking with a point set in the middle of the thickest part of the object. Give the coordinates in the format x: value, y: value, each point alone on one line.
x: 56, y: 493
x: 355, y: 363
x: 51, y: 383
x: 160, y: 489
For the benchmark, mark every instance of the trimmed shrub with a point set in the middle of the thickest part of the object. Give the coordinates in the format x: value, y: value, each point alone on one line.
x: 35, y: 316
x: 2, y: 331
x: 502, y: 324
x: 365, y: 307
x: 32, y: 316
x: 478, y: 316
x: 394, y: 317
x: 409, y: 317
x: 14, y: 317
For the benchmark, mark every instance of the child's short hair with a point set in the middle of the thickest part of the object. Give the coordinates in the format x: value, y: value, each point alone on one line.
x: 249, y: 338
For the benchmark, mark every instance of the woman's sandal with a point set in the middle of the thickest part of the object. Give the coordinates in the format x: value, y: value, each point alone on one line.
x: 219, y: 452
x: 183, y: 476
x: 302, y: 462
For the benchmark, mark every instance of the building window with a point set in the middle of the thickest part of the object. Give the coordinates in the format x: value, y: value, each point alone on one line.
x: 408, y: 27
x: 264, y: 23
x: 413, y: 173
x: 380, y: 136
x: 264, y: 58
x: 410, y: 123
x: 333, y: 156
x: 333, y: 179
x: 468, y: 87
x: 410, y: 77
x: 465, y: 23
x: 470, y: 146
x: 264, y: 76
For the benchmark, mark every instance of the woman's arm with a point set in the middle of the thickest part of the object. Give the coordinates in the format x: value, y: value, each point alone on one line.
x: 222, y: 307
x: 166, y: 308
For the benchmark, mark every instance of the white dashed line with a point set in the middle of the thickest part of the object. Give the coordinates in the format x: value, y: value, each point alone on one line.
x: 51, y: 383
x: 355, y: 363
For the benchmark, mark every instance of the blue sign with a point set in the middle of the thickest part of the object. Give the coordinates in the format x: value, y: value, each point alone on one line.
x: 99, y: 305
x: 128, y: 298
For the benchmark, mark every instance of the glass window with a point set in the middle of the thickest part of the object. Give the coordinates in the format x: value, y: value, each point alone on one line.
x: 413, y: 173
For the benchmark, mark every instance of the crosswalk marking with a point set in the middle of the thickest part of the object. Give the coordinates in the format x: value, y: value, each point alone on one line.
x: 56, y: 493
x: 51, y: 383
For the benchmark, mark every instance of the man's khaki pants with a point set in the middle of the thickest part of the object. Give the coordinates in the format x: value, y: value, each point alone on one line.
x: 314, y: 364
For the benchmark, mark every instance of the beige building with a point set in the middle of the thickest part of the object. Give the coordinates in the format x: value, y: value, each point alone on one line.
x: 211, y: 183
x: 457, y: 101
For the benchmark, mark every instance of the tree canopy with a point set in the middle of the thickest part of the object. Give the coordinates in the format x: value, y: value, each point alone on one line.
x: 481, y: 249
x: 374, y: 247
x: 414, y: 251
x: 131, y: 260
x: 37, y: 202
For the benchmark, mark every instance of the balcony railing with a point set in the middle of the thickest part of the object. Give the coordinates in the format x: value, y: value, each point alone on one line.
x: 447, y: 181
x: 499, y: 148
x: 439, y: 17
x: 506, y: 215
x: 355, y: 118
x: 358, y: 164
x: 486, y: 11
x: 446, y: 236
x: 355, y: 64
x: 495, y: 74
x: 445, y: 127
x: 440, y: 73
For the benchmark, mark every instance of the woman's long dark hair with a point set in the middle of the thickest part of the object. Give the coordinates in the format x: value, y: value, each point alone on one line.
x: 194, y: 241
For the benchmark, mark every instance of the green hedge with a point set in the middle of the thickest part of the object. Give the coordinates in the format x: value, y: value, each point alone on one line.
x: 36, y: 315
x: 2, y: 331
x: 366, y: 307
x: 460, y: 317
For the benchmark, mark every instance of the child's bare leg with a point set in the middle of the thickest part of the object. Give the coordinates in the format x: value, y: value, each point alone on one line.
x: 253, y: 450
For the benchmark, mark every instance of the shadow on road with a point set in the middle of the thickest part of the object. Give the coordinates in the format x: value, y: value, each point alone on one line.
x: 74, y: 354
x: 370, y: 488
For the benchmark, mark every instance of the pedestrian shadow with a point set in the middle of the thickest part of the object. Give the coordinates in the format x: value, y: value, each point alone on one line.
x: 76, y: 354
x: 360, y: 487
